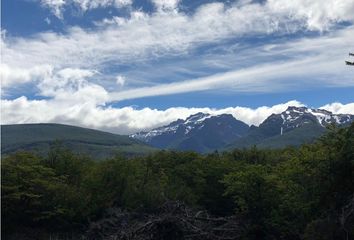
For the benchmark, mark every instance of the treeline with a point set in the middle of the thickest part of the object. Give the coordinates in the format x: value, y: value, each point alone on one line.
x: 292, y: 193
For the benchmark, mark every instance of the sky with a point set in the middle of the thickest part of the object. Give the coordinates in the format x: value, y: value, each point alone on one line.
x: 130, y: 65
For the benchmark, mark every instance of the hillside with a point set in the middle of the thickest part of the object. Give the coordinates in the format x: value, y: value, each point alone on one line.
x: 39, y: 138
x: 296, y: 137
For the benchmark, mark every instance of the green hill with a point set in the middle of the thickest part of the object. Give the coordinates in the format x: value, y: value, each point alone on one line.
x: 39, y: 138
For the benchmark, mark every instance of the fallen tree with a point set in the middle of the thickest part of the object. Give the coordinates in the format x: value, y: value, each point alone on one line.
x: 173, y: 221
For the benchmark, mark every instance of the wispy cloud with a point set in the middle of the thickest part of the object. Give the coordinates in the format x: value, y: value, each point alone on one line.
x: 144, y: 36
x: 264, y: 78
x: 59, y: 6
x: 317, y: 60
x: 311, y: 62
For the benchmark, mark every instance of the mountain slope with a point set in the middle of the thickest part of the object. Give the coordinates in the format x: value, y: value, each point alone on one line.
x: 199, y: 132
x: 293, y: 127
x: 204, y: 133
x: 39, y: 138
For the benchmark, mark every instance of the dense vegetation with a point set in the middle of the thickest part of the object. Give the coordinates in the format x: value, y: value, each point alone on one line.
x: 292, y: 193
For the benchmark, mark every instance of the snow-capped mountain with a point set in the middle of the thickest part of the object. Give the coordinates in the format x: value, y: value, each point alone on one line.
x: 295, y: 117
x: 204, y: 132
x: 294, y: 126
x: 179, y: 127
x: 201, y: 132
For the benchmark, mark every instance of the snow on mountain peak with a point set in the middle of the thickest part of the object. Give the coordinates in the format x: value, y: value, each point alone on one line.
x: 189, y: 124
x: 323, y: 117
x: 197, y: 118
x: 293, y: 117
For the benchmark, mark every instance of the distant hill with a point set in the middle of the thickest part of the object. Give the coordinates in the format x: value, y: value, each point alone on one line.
x: 39, y: 138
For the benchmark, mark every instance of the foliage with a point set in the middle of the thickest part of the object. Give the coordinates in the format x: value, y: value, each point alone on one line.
x: 302, y: 193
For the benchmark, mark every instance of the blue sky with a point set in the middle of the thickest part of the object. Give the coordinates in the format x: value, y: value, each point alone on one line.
x: 128, y: 65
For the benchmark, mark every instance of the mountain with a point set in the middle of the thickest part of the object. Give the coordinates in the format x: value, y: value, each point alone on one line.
x: 295, y: 126
x: 199, y: 132
x: 204, y: 133
x: 39, y: 138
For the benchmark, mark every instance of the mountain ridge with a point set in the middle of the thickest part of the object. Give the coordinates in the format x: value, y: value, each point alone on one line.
x: 197, y: 132
x: 178, y: 133
x: 201, y: 132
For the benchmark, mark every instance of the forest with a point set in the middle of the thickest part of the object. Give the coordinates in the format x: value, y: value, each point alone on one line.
x: 290, y: 193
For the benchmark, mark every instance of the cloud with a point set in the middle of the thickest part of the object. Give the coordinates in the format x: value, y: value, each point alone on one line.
x: 13, y: 75
x: 120, y: 80
x: 47, y: 20
x: 319, y: 15
x: 274, y: 77
x: 65, y: 85
x: 316, y: 14
x: 339, y: 108
x: 166, y: 5
x: 124, y: 120
x: 257, y: 115
x: 143, y: 37
x: 312, y: 62
x: 55, y: 6
x: 58, y: 6
x: 120, y: 120
x: 92, y: 4
x: 72, y: 84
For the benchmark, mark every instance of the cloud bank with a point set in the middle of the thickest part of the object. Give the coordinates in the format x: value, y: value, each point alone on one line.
x: 129, y: 120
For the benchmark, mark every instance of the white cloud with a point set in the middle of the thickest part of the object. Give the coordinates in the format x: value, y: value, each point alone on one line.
x: 315, y: 14
x: 145, y: 35
x: 273, y: 77
x: 13, y: 75
x: 68, y: 84
x: 57, y: 6
x: 122, y: 120
x: 47, y: 20
x: 319, y: 15
x: 115, y: 20
x: 257, y: 115
x: 92, y: 4
x: 166, y: 5
x: 339, y: 108
x: 120, y: 80
x: 312, y: 62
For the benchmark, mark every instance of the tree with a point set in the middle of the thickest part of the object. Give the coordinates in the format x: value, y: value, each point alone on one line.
x: 29, y: 192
